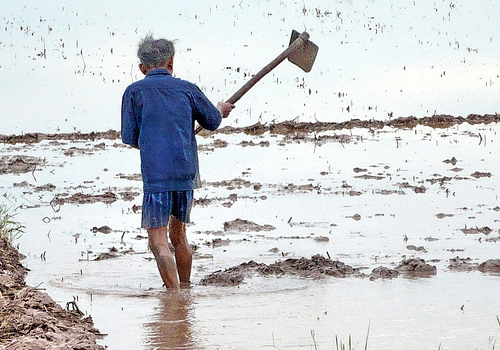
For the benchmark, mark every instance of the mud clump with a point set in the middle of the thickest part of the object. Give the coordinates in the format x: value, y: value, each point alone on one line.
x: 19, y: 164
x: 316, y: 267
x: 485, y: 230
x: 240, y: 225
x: 81, y: 198
x: 30, y: 319
x: 462, y: 264
x: 492, y: 265
x: 416, y: 268
x: 384, y: 273
x: 231, y: 277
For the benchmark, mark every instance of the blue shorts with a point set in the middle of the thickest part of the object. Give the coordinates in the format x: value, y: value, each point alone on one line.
x: 157, y: 207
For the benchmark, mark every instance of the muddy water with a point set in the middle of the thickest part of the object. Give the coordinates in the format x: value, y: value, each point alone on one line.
x: 377, y: 59
x: 367, y: 198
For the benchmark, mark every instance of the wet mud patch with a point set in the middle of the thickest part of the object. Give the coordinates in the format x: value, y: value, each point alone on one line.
x: 107, y: 197
x: 77, y: 136
x: 30, y: 319
x: 130, y: 177
x: 240, y: 225
x: 492, y: 266
x: 19, y: 164
x: 416, y: 267
x: 479, y: 174
x: 315, y: 267
x: 236, y: 183
x: 87, y: 150
x: 82, y: 198
x: 383, y: 272
x: 485, y: 230
x: 112, y: 253
x: 409, y: 268
x: 292, y: 127
x: 462, y: 264
x: 48, y: 187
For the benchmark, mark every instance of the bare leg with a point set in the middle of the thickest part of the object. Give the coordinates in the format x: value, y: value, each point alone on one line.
x: 158, y: 243
x: 183, y: 254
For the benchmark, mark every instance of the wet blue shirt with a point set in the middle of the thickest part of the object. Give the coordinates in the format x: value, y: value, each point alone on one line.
x: 158, y: 116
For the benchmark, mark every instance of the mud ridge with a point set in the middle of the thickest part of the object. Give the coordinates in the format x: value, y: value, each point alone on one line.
x: 316, y: 267
x: 30, y: 319
x: 283, y: 128
x: 291, y: 127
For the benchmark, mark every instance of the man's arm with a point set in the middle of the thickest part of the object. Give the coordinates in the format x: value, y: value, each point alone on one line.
x: 129, y: 125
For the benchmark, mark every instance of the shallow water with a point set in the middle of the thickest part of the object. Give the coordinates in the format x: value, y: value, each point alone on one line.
x: 365, y: 220
x: 64, y: 67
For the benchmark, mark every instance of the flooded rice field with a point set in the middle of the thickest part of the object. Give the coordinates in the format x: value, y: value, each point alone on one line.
x: 300, y: 237
x: 357, y: 200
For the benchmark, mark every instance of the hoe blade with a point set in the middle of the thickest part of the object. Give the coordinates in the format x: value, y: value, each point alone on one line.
x: 305, y: 55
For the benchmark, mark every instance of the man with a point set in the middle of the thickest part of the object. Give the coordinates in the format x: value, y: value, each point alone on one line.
x: 158, y: 118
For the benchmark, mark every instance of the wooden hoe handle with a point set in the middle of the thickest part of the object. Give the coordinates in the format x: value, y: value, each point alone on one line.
x: 301, y: 40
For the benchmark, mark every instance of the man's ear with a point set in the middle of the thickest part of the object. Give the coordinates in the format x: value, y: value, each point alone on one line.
x: 143, y: 69
x: 170, y: 65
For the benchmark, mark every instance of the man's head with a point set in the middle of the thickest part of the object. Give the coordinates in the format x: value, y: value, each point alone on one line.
x: 155, y: 54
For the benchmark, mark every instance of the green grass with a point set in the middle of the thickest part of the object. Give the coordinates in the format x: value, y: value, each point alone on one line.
x: 10, y: 228
x: 339, y: 344
x: 349, y: 346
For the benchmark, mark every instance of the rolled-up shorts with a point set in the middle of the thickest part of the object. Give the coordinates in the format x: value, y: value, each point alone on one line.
x: 157, y: 207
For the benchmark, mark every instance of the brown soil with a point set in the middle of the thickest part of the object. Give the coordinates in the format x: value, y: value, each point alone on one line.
x: 316, y: 267
x: 462, y: 264
x: 240, y: 225
x: 291, y: 127
x: 416, y: 268
x: 492, y: 265
x: 107, y: 197
x: 39, y: 137
x: 19, y: 164
x: 284, y: 128
x: 31, y: 320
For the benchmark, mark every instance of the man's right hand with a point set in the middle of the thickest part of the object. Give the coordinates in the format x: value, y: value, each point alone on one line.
x: 225, y: 108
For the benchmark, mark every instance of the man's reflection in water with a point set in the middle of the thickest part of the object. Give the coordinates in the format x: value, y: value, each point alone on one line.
x: 171, y: 325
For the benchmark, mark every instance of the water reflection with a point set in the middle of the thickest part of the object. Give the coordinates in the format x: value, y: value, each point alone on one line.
x: 171, y: 326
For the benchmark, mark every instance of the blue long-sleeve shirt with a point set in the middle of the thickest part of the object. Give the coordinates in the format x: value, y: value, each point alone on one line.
x: 158, y: 116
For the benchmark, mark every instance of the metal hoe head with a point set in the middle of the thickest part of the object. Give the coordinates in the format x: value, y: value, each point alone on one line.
x: 304, y: 55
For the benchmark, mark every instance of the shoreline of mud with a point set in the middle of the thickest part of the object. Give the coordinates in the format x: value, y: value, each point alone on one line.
x: 30, y: 319
x: 284, y: 128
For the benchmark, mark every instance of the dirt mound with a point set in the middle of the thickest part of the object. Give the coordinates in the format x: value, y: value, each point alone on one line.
x: 240, y: 225
x: 19, y: 164
x: 492, y: 265
x: 30, y: 319
x: 416, y: 268
x: 315, y: 267
x: 81, y: 198
x: 462, y: 264
x: 384, y: 273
